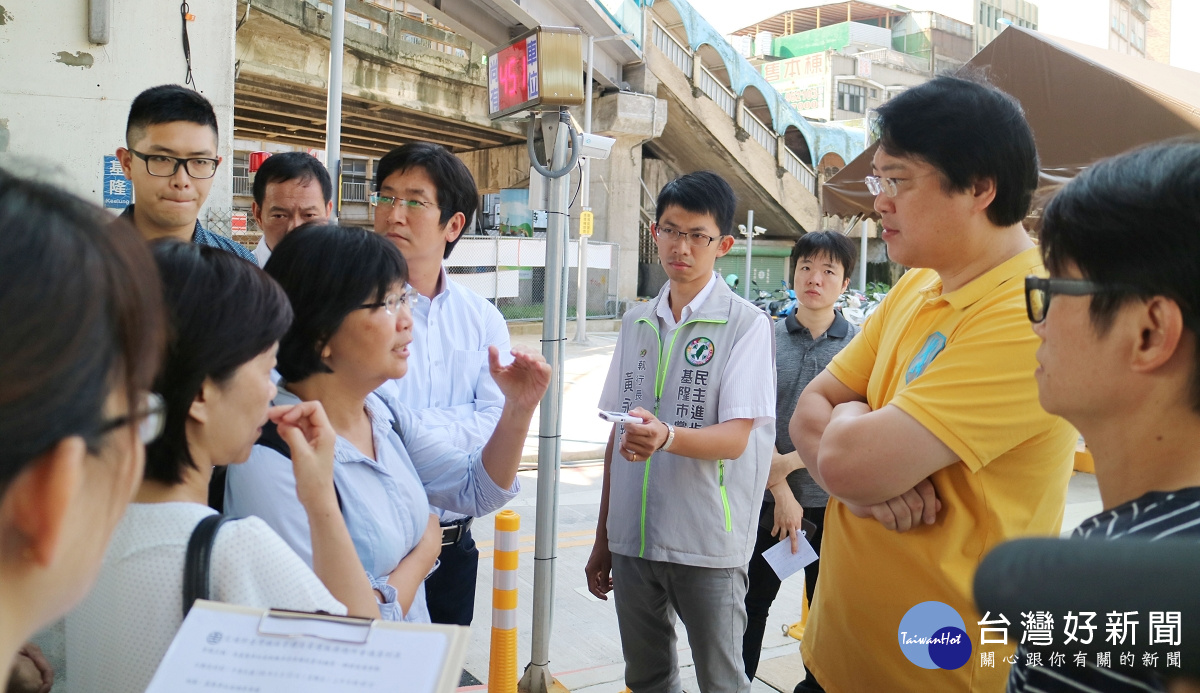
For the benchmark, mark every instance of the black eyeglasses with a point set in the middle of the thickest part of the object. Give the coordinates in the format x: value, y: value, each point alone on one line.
x: 151, y: 416
x: 163, y: 166
x: 1038, y: 291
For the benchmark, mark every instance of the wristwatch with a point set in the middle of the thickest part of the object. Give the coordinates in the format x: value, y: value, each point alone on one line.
x: 670, y: 437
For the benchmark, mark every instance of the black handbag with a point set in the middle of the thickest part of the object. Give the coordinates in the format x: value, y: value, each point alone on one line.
x: 199, y: 556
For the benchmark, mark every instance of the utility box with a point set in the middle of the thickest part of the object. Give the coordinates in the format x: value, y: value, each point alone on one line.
x: 543, y: 67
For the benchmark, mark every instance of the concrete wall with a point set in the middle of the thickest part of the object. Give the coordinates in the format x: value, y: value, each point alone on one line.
x: 65, y: 100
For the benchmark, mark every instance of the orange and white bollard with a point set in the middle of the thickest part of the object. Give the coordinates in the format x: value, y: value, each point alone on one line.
x: 502, y: 667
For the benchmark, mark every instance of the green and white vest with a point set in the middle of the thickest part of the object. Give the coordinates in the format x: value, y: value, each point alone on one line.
x: 683, y: 510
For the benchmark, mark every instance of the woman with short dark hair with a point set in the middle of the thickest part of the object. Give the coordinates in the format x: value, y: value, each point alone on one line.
x: 351, y: 334
x: 80, y: 339
x: 226, y: 317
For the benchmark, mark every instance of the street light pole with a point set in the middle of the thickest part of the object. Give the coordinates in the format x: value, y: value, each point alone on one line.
x: 537, y: 678
x: 862, y: 256
x: 585, y: 196
x: 749, y: 244
x: 585, y: 201
x: 333, y: 109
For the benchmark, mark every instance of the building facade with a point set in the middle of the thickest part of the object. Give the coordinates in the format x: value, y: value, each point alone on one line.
x: 994, y: 16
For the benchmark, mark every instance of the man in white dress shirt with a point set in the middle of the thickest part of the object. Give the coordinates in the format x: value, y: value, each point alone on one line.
x: 290, y: 189
x: 425, y: 198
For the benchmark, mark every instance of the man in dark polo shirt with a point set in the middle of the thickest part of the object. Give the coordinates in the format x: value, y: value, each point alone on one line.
x: 170, y: 155
x: 805, y: 342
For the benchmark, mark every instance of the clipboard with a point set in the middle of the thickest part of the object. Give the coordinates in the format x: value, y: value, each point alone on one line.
x: 228, y: 647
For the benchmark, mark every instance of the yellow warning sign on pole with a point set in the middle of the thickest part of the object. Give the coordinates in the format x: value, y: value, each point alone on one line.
x: 585, y: 223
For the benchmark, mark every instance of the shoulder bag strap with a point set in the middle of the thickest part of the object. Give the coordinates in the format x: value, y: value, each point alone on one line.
x: 199, y: 556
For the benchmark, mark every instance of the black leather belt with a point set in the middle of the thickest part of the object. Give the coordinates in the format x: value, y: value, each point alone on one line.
x: 452, y: 532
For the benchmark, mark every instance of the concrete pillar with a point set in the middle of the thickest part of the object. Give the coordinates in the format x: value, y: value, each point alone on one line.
x: 616, y: 188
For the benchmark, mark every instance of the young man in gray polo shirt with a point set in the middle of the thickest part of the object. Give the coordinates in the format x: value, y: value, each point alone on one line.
x: 805, y: 342
x: 679, y: 507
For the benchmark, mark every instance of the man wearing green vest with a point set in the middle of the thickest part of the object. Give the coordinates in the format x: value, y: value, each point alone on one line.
x: 679, y: 508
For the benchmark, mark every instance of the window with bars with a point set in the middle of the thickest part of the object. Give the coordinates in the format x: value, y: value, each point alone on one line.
x: 354, y: 180
x: 852, y: 97
x: 241, y: 174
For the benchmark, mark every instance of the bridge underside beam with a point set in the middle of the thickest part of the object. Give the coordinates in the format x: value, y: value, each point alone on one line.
x: 289, y: 113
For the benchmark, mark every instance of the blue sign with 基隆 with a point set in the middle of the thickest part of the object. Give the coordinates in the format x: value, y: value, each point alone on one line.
x: 118, y: 190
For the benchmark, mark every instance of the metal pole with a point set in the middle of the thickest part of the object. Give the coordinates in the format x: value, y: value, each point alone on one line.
x: 585, y: 201
x: 749, y: 243
x: 862, y: 256
x: 537, y: 677
x: 333, y: 110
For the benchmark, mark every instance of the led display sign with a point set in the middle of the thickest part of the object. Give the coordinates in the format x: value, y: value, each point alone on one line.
x: 541, y: 68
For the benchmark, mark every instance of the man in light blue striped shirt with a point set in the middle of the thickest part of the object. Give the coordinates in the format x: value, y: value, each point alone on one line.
x: 425, y: 198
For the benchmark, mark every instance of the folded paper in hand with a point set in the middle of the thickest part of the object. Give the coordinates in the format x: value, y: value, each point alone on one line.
x: 784, y: 562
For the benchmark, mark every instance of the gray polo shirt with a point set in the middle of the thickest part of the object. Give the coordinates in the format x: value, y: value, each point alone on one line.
x: 798, y: 359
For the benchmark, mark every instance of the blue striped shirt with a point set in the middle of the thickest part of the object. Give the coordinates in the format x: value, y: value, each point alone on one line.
x: 1156, y: 515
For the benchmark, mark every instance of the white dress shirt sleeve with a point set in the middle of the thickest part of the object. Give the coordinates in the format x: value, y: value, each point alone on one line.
x: 748, y: 383
x: 454, y: 479
x: 470, y: 425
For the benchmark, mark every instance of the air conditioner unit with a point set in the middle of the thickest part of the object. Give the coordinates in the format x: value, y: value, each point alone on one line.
x: 762, y: 43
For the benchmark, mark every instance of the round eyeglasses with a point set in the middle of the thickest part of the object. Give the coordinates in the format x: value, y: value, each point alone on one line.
x: 392, y: 302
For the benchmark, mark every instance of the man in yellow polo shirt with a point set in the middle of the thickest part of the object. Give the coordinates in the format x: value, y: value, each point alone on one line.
x: 926, y: 429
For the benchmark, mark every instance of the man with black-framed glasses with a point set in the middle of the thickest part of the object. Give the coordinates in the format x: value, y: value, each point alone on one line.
x: 1118, y: 321
x: 170, y: 156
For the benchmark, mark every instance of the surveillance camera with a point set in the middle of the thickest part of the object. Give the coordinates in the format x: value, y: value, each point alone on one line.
x: 595, y: 146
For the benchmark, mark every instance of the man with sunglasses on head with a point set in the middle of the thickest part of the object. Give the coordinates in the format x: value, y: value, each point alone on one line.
x: 926, y: 429
x: 682, y: 489
x: 425, y: 200
x: 170, y: 156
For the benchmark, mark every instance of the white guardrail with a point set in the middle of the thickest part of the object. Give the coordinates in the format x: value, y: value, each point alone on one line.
x: 704, y: 80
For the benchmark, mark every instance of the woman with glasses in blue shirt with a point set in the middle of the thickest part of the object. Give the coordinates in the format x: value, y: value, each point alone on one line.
x: 353, y: 325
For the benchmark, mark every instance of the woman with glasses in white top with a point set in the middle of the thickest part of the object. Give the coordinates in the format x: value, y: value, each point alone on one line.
x: 351, y: 334
x: 81, y: 332
x: 226, y: 317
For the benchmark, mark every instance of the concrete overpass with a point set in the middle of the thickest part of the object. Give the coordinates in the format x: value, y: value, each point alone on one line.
x: 672, y: 92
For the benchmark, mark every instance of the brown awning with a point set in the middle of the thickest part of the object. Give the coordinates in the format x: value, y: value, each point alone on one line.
x: 1083, y: 103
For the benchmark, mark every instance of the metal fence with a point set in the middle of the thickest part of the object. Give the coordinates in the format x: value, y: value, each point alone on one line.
x: 354, y: 191
x: 243, y: 186
x: 219, y: 220
x: 511, y: 272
